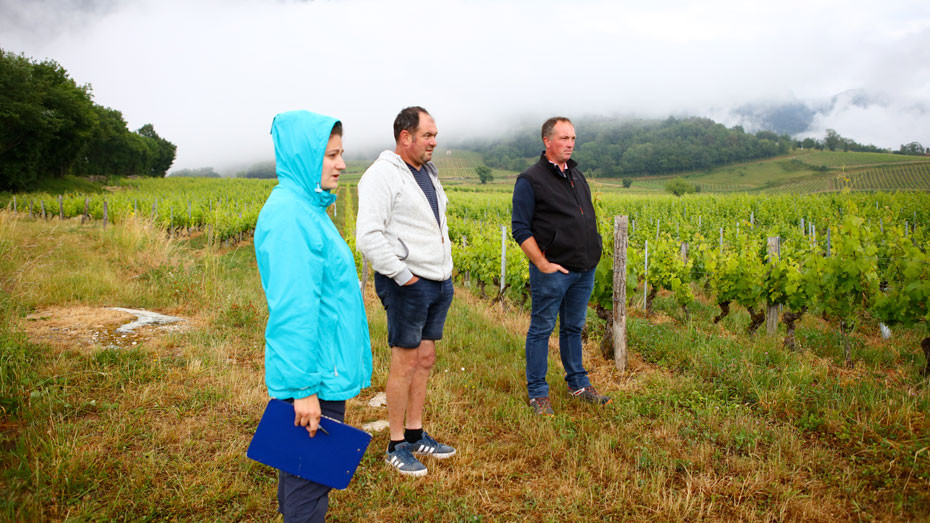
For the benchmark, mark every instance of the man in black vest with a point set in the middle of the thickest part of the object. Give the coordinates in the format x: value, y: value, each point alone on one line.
x: 554, y: 223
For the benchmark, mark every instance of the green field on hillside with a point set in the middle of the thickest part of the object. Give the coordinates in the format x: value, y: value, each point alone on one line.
x: 808, y: 171
x: 801, y: 171
x: 852, y: 159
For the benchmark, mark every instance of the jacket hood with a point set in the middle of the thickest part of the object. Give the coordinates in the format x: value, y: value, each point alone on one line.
x: 300, y: 139
x: 395, y: 159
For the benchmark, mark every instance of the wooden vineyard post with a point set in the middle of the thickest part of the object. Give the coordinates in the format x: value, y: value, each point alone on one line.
x: 104, y: 214
x: 42, y: 203
x: 771, y: 315
x: 619, y: 292
x: 85, y: 216
x: 467, y: 273
x: 14, y: 204
x: 61, y: 209
x: 646, y: 277
x: 503, y: 260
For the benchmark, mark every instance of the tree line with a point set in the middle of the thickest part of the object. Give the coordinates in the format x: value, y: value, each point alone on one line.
x: 609, y: 148
x: 834, y: 141
x: 50, y: 127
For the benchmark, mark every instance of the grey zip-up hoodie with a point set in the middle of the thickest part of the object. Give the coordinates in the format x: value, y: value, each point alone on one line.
x: 396, y: 229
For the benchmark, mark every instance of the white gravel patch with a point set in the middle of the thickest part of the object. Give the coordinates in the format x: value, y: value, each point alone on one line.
x: 379, y: 400
x: 375, y: 426
x: 143, y: 318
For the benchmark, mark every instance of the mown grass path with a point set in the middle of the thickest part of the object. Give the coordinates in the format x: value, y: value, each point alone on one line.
x: 707, y: 424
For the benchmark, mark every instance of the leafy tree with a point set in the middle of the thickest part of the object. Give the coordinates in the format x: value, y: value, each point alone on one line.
x: 832, y: 139
x: 627, y: 182
x: 484, y: 173
x: 45, y: 117
x: 808, y: 143
x: 678, y: 187
x: 49, y: 127
x: 913, y: 148
x: 161, y: 151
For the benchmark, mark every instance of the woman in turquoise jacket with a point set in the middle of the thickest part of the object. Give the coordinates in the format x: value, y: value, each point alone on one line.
x: 317, y: 350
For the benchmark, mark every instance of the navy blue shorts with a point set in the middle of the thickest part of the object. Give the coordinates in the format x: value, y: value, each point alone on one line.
x: 414, y: 312
x: 298, y: 498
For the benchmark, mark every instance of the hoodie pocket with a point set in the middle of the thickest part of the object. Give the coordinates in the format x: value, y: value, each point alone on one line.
x: 406, y: 251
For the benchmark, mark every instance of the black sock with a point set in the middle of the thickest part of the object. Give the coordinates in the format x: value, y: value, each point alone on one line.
x: 393, y: 444
x: 413, y: 435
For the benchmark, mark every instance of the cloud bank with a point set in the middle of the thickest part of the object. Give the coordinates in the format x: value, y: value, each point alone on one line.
x: 210, y: 75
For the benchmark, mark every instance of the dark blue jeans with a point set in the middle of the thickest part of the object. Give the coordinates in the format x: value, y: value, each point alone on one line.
x: 565, y: 296
x: 300, y: 500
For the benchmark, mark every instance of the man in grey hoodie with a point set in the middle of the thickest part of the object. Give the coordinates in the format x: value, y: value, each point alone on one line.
x: 401, y: 229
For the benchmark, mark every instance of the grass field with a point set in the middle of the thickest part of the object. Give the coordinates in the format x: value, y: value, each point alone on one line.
x: 707, y: 424
x: 853, y: 159
x: 805, y: 171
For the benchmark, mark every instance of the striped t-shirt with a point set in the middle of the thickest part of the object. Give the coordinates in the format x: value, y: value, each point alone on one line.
x: 421, y: 175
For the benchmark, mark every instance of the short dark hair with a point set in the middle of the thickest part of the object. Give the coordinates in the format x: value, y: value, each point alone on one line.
x: 550, y: 124
x: 408, y: 119
x: 337, y: 129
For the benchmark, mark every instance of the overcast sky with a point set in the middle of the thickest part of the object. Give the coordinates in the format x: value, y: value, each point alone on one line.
x: 210, y: 75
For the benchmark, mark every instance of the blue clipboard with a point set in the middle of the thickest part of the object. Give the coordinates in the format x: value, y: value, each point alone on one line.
x: 330, y: 459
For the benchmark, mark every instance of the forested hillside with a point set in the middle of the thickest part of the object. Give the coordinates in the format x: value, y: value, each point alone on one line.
x: 645, y: 147
x: 50, y: 127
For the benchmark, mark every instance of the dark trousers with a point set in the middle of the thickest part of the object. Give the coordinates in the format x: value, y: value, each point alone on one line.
x: 300, y: 500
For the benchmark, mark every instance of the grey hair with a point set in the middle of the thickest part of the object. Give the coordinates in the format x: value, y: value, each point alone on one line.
x: 550, y: 125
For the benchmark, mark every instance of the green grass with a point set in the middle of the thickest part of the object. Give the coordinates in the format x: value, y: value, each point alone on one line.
x: 707, y: 423
x: 853, y: 159
x: 802, y: 172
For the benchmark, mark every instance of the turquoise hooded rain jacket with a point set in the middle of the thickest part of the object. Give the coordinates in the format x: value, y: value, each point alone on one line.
x: 316, y: 340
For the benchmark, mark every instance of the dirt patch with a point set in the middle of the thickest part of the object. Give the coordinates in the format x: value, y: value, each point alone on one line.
x: 87, y: 328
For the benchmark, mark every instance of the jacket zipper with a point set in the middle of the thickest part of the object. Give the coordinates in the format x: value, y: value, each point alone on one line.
x: 571, y: 182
